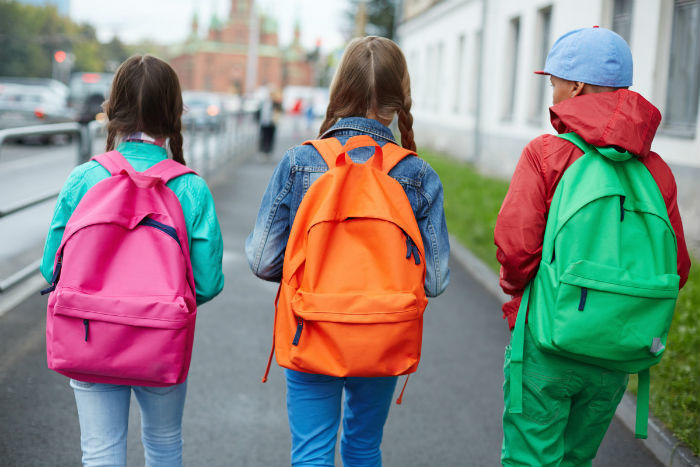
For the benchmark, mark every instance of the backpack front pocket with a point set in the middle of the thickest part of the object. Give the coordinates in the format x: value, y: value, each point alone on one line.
x: 357, y: 334
x: 604, y: 312
x: 144, y: 339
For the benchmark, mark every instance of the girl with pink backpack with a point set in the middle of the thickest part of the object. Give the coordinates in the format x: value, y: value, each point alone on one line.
x: 133, y: 247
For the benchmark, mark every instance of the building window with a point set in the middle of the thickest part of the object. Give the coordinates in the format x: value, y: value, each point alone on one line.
x: 622, y: 18
x: 428, y: 77
x: 438, y: 81
x: 459, y: 64
x: 683, y: 90
x: 544, y: 28
x: 512, y: 61
x: 414, y: 70
x: 474, y: 71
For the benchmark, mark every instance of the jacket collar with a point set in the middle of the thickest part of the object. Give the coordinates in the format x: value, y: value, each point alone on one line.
x: 360, y: 125
x: 140, y: 150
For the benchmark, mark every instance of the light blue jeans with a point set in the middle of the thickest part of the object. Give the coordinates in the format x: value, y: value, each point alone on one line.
x: 313, y: 406
x: 103, y: 411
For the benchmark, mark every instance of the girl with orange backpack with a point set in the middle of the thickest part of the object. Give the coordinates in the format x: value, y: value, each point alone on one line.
x: 352, y: 226
x: 133, y: 247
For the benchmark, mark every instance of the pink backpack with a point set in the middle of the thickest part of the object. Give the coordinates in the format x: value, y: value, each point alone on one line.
x: 122, y: 306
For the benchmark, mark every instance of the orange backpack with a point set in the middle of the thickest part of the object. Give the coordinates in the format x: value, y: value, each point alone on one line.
x: 351, y: 299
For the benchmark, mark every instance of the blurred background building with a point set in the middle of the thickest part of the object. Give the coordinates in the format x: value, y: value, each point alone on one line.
x: 475, y: 95
x: 219, y: 62
x: 471, y: 63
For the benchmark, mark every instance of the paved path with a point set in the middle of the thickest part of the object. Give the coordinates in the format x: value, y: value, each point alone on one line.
x: 450, y: 415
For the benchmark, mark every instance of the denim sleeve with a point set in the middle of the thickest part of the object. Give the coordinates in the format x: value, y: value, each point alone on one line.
x: 433, y: 228
x: 265, y: 246
x: 206, y: 245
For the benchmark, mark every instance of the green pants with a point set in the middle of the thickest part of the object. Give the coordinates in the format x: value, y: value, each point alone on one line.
x: 567, y: 408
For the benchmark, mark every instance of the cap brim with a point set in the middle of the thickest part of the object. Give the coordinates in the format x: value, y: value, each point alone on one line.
x: 541, y: 73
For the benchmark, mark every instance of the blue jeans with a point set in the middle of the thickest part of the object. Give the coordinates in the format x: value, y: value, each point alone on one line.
x: 313, y: 405
x: 103, y: 410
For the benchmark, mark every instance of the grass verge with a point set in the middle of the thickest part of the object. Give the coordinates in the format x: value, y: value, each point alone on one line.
x: 472, y: 202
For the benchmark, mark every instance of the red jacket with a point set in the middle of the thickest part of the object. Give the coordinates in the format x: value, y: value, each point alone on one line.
x: 622, y: 118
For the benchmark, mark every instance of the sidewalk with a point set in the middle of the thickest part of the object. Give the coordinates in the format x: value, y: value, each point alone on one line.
x: 451, y: 410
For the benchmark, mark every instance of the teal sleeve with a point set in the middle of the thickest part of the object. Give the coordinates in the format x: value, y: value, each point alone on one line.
x: 206, y: 247
x: 65, y: 205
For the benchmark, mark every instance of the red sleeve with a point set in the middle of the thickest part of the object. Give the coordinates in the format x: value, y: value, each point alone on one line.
x: 520, y: 226
x: 667, y: 184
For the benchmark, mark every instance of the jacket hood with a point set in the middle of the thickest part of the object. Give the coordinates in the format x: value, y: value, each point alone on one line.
x: 620, y: 118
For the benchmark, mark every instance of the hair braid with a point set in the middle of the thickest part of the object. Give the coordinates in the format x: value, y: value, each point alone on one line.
x: 405, y: 120
x: 176, y: 143
x: 111, y: 136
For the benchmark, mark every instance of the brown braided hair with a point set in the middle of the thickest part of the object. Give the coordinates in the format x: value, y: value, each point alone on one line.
x: 372, y: 79
x: 145, y: 96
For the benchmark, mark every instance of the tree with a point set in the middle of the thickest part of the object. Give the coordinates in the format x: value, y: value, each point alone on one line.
x: 113, y: 53
x: 29, y: 36
x: 21, y: 54
x: 380, y: 16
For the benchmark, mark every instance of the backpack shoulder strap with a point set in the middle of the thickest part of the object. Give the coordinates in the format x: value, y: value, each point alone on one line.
x: 393, y: 154
x: 575, y: 139
x: 609, y: 152
x: 114, y: 162
x: 517, y: 344
x: 167, y: 170
x: 328, y: 148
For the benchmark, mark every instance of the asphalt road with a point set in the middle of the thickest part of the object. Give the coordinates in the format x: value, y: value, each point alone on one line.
x: 451, y: 414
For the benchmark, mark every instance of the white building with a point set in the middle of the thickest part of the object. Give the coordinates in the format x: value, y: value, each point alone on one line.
x: 476, y: 97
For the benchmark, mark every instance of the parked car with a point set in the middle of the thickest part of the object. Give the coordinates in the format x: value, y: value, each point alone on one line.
x: 202, y: 109
x: 87, y: 92
x: 52, y: 84
x: 26, y: 105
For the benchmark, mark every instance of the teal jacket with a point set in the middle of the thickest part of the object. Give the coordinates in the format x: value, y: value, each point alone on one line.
x: 203, y: 231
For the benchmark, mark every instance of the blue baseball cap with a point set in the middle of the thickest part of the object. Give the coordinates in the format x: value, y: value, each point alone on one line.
x: 591, y: 55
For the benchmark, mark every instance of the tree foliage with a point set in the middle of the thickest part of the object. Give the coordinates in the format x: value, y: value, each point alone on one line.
x: 29, y: 36
x: 380, y: 17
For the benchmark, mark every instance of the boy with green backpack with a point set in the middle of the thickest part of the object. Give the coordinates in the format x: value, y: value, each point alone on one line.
x: 591, y: 248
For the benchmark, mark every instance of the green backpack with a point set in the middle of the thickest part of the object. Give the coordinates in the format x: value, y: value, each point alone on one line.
x: 607, y: 284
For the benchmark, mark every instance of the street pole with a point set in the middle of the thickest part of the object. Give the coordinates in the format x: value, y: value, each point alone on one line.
x: 251, y: 74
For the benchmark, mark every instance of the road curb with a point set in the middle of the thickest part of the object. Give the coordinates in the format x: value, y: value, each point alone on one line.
x: 661, y: 442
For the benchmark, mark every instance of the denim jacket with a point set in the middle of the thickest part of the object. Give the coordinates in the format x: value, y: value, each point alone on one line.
x: 302, y: 165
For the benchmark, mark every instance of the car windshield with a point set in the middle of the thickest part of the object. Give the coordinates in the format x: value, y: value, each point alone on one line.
x: 87, y: 84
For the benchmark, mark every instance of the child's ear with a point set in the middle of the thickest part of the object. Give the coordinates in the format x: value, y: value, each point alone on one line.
x: 576, y: 88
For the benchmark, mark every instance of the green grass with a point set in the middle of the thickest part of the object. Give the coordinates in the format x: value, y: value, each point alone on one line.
x: 472, y: 202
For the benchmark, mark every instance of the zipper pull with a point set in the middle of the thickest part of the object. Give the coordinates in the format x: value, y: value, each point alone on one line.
x: 409, y: 250
x: 582, y: 300
x: 54, y: 279
x: 416, y: 254
x: 300, y: 327
x: 622, y: 208
x: 86, y: 322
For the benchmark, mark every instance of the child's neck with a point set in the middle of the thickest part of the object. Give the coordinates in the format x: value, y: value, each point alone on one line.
x: 372, y: 116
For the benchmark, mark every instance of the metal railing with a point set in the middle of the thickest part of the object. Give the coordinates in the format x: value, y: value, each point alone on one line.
x: 219, y: 144
x: 234, y: 133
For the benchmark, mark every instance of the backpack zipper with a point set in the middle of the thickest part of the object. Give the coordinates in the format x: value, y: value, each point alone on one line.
x: 300, y: 327
x: 54, y: 279
x: 86, y: 323
x: 170, y: 231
